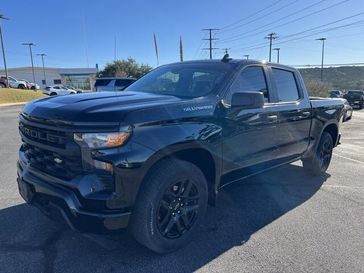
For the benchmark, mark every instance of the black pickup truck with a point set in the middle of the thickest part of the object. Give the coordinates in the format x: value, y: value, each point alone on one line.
x: 153, y: 157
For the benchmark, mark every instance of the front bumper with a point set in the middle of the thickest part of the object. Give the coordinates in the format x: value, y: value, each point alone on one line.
x: 63, y: 204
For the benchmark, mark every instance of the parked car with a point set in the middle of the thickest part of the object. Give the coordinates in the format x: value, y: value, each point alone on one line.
x: 355, y: 98
x: 58, y: 90
x: 2, y: 81
x: 31, y: 85
x: 78, y: 91
x: 153, y: 156
x: 348, y: 111
x: 112, y: 84
x: 336, y: 94
x: 13, y: 83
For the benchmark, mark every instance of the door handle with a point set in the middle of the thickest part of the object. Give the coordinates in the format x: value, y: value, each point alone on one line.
x: 272, y: 119
x: 306, y: 114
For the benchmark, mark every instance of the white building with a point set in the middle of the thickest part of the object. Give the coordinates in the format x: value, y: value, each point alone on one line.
x: 81, y: 78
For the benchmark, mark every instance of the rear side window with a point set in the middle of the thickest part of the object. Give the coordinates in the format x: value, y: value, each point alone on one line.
x: 102, y: 82
x: 122, y: 83
x: 250, y: 79
x: 286, y: 85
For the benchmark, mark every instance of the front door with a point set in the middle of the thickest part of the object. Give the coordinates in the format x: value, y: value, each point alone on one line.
x: 249, y: 135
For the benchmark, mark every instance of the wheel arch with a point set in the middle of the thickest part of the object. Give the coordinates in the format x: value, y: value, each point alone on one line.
x: 194, y: 154
x: 333, y: 130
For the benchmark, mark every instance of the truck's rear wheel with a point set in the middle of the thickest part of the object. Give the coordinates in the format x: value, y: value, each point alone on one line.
x: 170, y: 206
x: 320, y: 161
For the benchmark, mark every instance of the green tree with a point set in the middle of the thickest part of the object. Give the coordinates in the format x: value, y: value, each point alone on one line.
x: 125, y: 68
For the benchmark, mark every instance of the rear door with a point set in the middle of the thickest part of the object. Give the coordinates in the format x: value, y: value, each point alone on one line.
x: 293, y: 112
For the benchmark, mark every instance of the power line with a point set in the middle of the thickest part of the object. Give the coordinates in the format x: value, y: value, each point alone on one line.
x: 210, y: 39
x: 251, y: 15
x: 263, y: 16
x: 254, y: 32
x: 262, y: 45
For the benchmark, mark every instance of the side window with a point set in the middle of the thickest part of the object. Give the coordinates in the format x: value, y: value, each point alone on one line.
x: 286, y: 85
x: 250, y: 79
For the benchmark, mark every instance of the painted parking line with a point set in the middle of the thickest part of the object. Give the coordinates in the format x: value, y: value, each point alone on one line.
x: 348, y: 158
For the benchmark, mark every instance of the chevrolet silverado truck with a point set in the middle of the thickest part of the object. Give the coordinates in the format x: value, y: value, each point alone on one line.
x: 153, y: 157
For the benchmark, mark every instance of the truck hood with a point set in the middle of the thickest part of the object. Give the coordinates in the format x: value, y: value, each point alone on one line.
x: 122, y: 107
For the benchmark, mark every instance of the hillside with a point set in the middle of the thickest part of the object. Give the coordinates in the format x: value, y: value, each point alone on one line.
x: 345, y: 77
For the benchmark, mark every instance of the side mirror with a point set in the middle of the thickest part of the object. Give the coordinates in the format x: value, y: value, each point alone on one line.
x: 247, y: 100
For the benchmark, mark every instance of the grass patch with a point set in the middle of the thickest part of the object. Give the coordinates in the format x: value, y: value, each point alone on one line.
x: 8, y: 95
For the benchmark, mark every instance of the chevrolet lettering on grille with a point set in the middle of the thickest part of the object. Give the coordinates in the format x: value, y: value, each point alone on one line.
x: 40, y: 135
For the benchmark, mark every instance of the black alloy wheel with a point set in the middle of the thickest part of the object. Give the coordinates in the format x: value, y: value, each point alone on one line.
x: 170, y: 206
x: 178, y: 209
x: 325, y: 153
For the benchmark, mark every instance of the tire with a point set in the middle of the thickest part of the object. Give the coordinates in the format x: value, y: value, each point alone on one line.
x: 170, y: 206
x: 320, y: 161
x: 53, y: 94
x: 361, y: 106
x: 21, y: 86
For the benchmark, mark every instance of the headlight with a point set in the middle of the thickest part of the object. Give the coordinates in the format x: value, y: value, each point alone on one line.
x: 104, y: 140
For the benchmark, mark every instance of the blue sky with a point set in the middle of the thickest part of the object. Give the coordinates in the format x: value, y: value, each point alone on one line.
x: 82, y: 33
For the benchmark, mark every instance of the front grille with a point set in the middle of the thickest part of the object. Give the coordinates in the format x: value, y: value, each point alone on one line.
x: 60, y: 166
x: 45, y: 136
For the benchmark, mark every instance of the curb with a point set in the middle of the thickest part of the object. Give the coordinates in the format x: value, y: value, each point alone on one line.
x: 13, y: 104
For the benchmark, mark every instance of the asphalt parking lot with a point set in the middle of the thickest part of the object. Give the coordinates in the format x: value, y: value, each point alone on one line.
x: 280, y: 221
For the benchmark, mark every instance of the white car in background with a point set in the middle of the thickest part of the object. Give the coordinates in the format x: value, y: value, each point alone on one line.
x: 55, y: 90
x: 31, y: 85
x: 14, y: 83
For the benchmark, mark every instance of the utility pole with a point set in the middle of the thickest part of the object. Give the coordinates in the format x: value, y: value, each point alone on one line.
x: 277, y: 49
x: 271, y: 36
x: 42, y: 55
x: 180, y: 49
x: 210, y: 39
x: 31, y: 57
x: 156, y: 48
x: 322, y: 56
x: 3, y: 50
x: 115, y: 48
x: 246, y: 56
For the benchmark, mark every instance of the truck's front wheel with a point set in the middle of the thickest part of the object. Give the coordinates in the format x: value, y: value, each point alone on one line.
x: 170, y: 206
x: 318, y: 163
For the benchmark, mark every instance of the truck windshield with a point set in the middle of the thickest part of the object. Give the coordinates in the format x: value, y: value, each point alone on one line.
x: 183, y: 80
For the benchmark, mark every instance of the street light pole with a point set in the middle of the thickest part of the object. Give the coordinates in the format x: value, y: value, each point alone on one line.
x: 277, y: 49
x: 3, y: 50
x: 31, y: 58
x: 322, y: 56
x: 42, y: 55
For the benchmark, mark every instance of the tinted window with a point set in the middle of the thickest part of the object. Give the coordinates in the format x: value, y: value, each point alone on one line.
x: 123, y: 82
x: 102, y: 82
x: 250, y: 79
x: 183, y: 80
x: 355, y: 93
x: 57, y: 81
x: 286, y: 85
